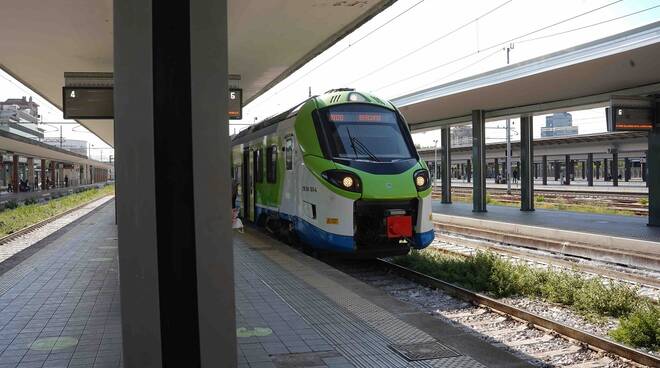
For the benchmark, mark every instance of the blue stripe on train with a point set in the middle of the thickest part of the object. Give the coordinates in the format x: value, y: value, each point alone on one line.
x: 319, y: 238
x: 422, y: 240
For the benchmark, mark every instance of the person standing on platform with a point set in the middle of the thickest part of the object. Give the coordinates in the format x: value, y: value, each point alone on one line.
x: 66, y: 181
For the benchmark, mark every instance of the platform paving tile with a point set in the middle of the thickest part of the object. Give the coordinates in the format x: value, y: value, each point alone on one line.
x: 60, y: 306
x: 277, y: 297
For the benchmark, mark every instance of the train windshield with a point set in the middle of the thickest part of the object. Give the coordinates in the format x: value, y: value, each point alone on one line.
x: 365, y: 132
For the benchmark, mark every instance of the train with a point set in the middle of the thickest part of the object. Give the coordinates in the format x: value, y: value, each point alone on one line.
x: 337, y: 173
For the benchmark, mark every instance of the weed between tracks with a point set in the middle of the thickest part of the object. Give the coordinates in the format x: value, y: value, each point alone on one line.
x: 592, y: 297
x: 12, y: 220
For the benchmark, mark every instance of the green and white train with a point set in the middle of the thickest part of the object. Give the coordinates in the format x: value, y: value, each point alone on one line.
x: 338, y: 172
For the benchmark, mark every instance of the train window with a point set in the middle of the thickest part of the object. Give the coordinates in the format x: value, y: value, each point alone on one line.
x: 271, y: 164
x: 288, y: 153
x: 365, y: 132
x: 259, y: 161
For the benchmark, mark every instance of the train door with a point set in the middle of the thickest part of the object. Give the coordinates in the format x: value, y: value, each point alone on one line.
x: 246, y: 184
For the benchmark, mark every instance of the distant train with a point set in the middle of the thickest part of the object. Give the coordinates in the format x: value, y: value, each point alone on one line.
x: 340, y: 173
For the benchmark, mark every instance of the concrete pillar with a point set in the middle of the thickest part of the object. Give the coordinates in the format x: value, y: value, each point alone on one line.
x: 468, y: 171
x: 590, y: 169
x: 643, y: 166
x: 627, y: 169
x: 30, y: 173
x: 445, y: 164
x: 583, y: 168
x: 43, y: 174
x: 52, y: 173
x: 497, y: 167
x: 14, y: 173
x: 597, y: 169
x: 544, y: 169
x: 527, y: 160
x: 536, y: 170
x: 653, y: 175
x: 174, y: 219
x: 615, y: 168
x: 557, y: 169
x: 479, y: 161
x: 606, y: 172
x: 567, y: 170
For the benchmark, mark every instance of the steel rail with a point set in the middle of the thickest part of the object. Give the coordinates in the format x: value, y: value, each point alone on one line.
x: 595, y: 342
x: 28, y: 229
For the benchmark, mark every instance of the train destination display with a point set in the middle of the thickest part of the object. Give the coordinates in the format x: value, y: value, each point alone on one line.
x: 630, y: 114
x: 88, y: 102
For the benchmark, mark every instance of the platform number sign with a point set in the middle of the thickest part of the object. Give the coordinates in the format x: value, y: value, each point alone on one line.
x: 88, y: 102
x: 235, y: 103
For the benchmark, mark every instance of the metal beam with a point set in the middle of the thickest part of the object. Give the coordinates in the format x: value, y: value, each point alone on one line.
x: 527, y: 163
x: 478, y: 161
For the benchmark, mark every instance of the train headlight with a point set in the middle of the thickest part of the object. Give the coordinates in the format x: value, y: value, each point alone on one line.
x: 422, y: 181
x: 344, y: 180
x: 347, y: 182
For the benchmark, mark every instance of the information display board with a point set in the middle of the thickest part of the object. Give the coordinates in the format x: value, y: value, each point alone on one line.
x: 88, y: 102
x: 235, y: 104
x: 630, y: 114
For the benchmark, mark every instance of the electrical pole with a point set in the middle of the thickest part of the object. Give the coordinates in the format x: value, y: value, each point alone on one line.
x: 508, y: 135
x: 435, y: 163
x: 508, y: 156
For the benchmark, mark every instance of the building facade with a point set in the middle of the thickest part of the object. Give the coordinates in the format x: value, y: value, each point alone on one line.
x: 20, y: 116
x: 559, y: 125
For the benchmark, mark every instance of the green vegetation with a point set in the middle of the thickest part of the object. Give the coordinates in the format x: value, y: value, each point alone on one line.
x: 15, y: 218
x: 540, y: 198
x: 644, y: 201
x: 592, y: 297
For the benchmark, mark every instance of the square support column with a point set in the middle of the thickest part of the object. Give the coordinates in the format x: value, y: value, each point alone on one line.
x: 544, y: 169
x: 590, y: 169
x: 175, y: 242
x: 30, y: 173
x: 478, y: 161
x: 527, y: 163
x: 14, y: 173
x: 43, y: 174
x: 606, y: 172
x: 567, y: 170
x: 557, y: 169
x: 615, y: 168
x: 627, y: 165
x: 597, y: 169
x: 468, y: 170
x: 445, y: 164
x: 653, y: 176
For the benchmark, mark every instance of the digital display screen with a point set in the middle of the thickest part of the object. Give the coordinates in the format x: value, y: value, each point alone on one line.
x: 235, y: 103
x: 88, y: 102
x: 631, y: 118
x: 363, y: 117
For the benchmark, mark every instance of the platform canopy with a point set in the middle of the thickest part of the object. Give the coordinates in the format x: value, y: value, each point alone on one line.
x: 26, y: 147
x: 268, y: 40
x: 586, y: 75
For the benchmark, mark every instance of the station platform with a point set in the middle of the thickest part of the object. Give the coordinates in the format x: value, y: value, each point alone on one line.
x: 59, y: 307
x: 626, y: 234
x: 295, y: 311
x: 59, y: 298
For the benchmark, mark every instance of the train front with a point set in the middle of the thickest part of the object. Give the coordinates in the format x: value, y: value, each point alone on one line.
x: 376, y: 192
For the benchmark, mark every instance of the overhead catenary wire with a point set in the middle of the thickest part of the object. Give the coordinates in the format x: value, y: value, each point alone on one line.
x: 445, y: 35
x: 589, y: 25
x: 351, y: 44
x: 499, y: 44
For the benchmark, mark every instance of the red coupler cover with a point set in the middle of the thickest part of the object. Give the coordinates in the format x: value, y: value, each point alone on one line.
x: 399, y: 226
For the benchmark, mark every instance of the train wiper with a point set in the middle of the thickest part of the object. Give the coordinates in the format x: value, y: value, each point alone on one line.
x: 364, y: 148
x: 350, y: 138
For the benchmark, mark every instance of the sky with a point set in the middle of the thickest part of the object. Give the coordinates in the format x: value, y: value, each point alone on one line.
x: 51, y: 115
x: 416, y: 44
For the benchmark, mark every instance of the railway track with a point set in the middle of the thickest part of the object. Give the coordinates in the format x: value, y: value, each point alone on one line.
x: 26, y: 230
x: 456, y: 244
x: 627, y: 202
x: 538, y: 339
